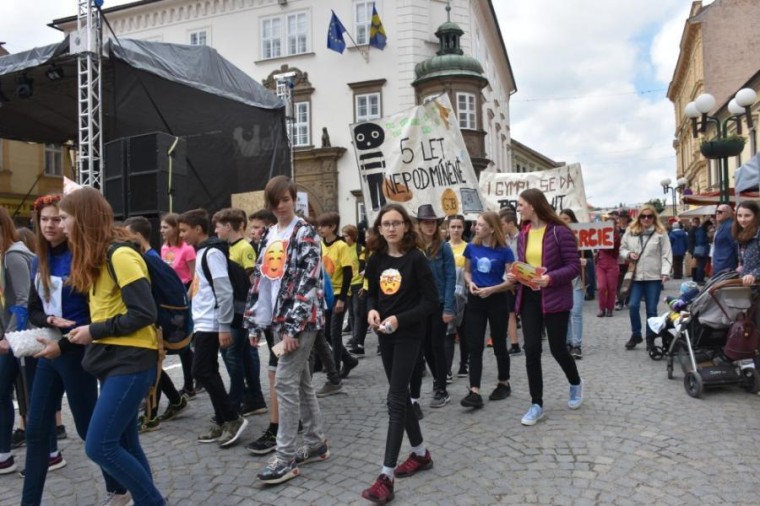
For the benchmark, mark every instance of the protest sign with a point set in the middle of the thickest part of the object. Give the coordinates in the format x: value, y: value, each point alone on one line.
x: 417, y: 157
x: 597, y: 235
x: 563, y: 187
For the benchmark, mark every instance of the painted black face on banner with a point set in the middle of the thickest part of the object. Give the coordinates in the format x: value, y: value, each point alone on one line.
x: 368, y: 135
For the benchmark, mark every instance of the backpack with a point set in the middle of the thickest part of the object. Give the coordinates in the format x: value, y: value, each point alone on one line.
x: 169, y: 294
x: 743, y: 339
x: 239, y: 279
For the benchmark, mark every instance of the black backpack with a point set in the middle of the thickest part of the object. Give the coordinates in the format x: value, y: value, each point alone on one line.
x: 239, y: 279
x: 169, y: 294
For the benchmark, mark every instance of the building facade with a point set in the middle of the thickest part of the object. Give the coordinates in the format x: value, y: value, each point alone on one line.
x: 718, y: 55
x: 269, y: 38
x: 525, y: 159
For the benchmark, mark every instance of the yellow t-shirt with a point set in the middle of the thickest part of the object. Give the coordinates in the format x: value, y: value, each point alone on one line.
x: 535, y: 248
x: 242, y: 253
x: 334, y: 258
x: 458, y: 251
x: 357, y: 279
x: 106, y: 302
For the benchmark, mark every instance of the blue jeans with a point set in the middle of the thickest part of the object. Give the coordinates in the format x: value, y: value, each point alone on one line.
x: 251, y: 371
x: 51, y: 379
x: 650, y: 290
x: 575, y: 329
x: 112, y: 438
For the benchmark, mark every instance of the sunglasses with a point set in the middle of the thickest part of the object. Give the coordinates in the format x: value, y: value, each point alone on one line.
x: 647, y: 216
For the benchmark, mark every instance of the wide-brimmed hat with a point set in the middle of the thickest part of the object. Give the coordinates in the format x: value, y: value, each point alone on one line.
x: 426, y: 212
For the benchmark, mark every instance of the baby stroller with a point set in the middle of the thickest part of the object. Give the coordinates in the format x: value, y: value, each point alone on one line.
x: 701, y: 333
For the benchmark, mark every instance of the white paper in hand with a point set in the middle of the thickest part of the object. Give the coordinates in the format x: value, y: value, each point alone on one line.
x: 24, y: 342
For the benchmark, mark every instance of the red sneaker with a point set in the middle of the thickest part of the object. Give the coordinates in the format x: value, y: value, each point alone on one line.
x: 414, y: 464
x: 381, y: 491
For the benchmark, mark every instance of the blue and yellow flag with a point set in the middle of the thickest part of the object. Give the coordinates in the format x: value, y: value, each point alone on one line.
x: 377, y: 36
x: 335, y: 35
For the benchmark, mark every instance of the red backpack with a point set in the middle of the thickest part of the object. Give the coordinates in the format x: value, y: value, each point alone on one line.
x: 743, y: 339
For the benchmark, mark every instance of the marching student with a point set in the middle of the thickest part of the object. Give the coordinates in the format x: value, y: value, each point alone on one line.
x: 401, y: 296
x: 546, y: 241
x: 242, y: 361
x: 487, y: 260
x: 286, y: 295
x: 181, y: 257
x: 213, y: 311
x: 122, y: 349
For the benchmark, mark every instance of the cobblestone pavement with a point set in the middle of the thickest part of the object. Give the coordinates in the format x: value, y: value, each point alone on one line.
x: 638, y: 439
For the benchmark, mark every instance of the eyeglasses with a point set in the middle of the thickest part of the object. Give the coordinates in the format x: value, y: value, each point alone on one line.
x: 719, y: 212
x: 647, y: 216
x: 391, y: 224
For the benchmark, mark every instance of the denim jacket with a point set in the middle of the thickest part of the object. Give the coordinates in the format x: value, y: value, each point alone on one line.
x: 301, y: 300
x: 750, y: 257
x: 444, y: 273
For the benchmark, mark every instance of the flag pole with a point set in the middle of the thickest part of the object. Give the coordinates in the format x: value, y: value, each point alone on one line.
x: 361, y: 51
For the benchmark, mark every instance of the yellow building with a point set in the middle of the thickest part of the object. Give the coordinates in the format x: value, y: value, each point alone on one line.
x: 526, y: 159
x: 718, y: 55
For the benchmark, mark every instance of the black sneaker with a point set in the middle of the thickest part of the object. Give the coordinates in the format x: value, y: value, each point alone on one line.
x: 305, y: 455
x: 449, y: 378
x: 357, y: 350
x: 347, y: 368
x: 440, y: 399
x: 472, y: 400
x: 500, y: 393
x: 190, y: 393
x: 633, y: 341
x: 18, y: 439
x: 417, y: 411
x: 515, y: 349
x: 576, y: 352
x: 263, y: 445
x: 60, y: 432
x: 250, y: 408
x: 463, y: 373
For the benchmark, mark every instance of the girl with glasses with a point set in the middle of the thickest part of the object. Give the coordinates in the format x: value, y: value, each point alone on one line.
x: 646, y: 242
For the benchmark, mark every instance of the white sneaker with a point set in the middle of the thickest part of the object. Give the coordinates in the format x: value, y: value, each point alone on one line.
x: 113, y: 499
x: 534, y: 414
x: 576, y: 396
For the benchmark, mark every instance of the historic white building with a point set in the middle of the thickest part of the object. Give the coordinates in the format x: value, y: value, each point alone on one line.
x: 265, y: 38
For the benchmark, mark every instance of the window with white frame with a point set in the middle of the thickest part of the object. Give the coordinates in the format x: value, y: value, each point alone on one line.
x: 367, y: 106
x: 199, y: 38
x: 53, y: 160
x: 300, y: 130
x: 298, y: 32
x: 271, y: 38
x: 285, y: 35
x: 466, y: 113
x: 362, y: 21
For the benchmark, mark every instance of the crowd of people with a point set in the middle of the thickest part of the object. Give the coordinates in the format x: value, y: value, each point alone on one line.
x: 422, y: 284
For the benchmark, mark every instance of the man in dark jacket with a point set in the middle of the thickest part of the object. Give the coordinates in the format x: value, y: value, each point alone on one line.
x: 725, y: 252
x: 679, y: 242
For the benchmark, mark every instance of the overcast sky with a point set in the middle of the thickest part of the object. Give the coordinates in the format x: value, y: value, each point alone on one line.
x: 591, y: 77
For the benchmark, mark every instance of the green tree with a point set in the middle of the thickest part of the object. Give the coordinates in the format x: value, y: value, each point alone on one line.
x: 657, y: 204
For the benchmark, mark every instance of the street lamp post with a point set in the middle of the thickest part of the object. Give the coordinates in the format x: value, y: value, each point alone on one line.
x: 680, y: 185
x: 722, y: 146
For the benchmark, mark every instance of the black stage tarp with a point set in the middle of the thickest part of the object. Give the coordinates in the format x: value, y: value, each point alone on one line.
x: 234, y: 128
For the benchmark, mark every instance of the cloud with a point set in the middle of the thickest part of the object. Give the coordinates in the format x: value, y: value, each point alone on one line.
x: 580, y: 67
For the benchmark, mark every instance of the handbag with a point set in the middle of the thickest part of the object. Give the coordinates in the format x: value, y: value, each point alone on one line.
x: 625, y: 287
x: 743, y: 339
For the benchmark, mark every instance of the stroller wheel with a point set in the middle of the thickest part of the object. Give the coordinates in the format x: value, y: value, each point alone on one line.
x: 751, y: 380
x: 656, y: 353
x: 692, y: 382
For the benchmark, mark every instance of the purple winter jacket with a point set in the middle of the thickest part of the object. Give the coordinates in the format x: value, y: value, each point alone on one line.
x: 560, y: 257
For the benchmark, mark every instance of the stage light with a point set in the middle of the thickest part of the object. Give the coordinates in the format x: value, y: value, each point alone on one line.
x: 54, y: 73
x: 25, y: 87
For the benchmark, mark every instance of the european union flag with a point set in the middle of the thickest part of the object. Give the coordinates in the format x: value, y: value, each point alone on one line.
x: 335, y: 35
x: 377, y: 36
